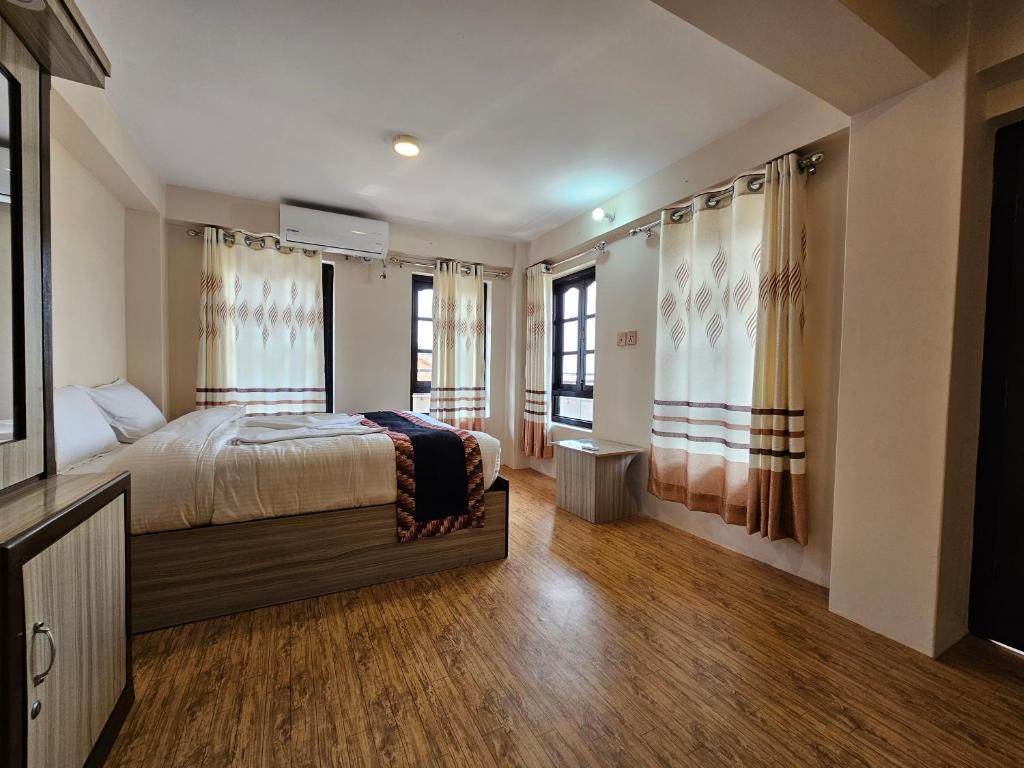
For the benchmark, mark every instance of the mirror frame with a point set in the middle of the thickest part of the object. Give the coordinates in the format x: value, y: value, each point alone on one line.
x: 30, y: 454
x: 18, y: 382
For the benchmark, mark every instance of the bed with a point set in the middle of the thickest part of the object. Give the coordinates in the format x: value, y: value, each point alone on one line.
x: 220, y: 527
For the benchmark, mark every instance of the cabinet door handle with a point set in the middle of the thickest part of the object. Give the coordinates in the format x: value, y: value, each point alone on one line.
x: 41, y: 628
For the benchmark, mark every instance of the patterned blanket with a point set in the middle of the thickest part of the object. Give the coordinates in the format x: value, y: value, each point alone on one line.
x: 439, y: 472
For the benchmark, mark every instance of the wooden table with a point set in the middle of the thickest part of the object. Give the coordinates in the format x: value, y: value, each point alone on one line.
x: 591, y: 478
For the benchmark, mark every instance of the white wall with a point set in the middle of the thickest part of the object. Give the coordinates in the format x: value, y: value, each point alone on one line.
x: 108, y: 267
x: 146, y: 304
x: 89, y: 340
x: 913, y: 328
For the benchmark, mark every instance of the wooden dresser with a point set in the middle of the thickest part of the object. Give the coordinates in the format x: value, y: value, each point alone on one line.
x: 65, y: 646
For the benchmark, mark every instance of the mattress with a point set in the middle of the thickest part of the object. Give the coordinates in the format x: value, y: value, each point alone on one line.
x: 189, y: 474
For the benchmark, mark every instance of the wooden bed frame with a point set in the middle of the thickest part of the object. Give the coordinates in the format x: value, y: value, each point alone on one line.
x: 199, y: 573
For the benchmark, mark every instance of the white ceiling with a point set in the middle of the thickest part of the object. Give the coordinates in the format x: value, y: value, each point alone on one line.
x: 530, y: 111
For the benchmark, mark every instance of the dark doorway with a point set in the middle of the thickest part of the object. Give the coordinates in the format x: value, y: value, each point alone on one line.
x: 997, y: 577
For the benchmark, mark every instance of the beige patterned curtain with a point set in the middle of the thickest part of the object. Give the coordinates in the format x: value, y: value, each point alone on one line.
x: 707, y: 330
x: 777, y: 500
x: 458, y: 387
x: 261, y: 341
x: 537, y: 410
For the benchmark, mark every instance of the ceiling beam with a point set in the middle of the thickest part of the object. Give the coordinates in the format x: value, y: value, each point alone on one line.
x: 853, y: 54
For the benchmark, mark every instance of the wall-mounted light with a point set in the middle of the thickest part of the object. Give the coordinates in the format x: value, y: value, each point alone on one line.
x: 599, y: 214
x: 406, y: 145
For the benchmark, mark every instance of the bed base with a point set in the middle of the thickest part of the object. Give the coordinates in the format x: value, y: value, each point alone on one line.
x: 200, y: 573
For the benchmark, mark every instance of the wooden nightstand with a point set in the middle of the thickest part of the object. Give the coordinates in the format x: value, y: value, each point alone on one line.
x: 591, y: 478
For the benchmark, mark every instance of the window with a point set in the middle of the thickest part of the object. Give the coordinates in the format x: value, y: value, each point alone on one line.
x: 327, y: 275
x: 574, y: 340
x: 422, y: 340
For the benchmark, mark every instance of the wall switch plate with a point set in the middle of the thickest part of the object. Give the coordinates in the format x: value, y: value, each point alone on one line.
x: 630, y: 338
x: 620, y: 339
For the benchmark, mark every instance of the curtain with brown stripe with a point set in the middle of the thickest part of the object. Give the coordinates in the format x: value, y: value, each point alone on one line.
x: 537, y: 408
x: 261, y: 328
x: 704, y: 365
x: 458, y: 386
x: 777, y: 496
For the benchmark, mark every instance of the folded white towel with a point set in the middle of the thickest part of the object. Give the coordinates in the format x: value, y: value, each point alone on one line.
x: 305, y: 421
x: 263, y: 435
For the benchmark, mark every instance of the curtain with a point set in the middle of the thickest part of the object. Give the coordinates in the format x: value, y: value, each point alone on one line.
x: 537, y: 410
x: 777, y: 501
x: 261, y: 341
x: 705, y: 338
x: 458, y: 387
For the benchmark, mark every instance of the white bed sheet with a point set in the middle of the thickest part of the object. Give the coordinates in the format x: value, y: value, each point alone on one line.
x: 188, y: 474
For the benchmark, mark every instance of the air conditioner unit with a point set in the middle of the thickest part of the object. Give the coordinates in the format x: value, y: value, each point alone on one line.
x: 333, y: 232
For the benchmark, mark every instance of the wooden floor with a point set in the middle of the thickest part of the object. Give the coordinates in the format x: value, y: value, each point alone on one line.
x: 627, y: 644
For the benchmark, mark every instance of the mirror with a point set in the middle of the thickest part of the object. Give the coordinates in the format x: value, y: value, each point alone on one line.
x: 10, y: 283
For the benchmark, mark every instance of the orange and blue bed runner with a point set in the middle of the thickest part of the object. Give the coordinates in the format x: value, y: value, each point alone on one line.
x: 439, y: 471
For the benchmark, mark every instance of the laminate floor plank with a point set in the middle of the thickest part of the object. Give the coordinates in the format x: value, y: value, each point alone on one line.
x: 624, y: 644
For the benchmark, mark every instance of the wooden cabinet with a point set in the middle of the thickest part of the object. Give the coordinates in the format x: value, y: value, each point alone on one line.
x: 591, y: 478
x: 65, y: 646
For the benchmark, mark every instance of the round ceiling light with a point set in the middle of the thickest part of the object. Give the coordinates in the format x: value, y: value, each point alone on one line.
x: 599, y: 214
x: 406, y: 145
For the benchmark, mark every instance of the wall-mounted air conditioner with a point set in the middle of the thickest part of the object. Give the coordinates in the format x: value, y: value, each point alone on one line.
x: 333, y: 232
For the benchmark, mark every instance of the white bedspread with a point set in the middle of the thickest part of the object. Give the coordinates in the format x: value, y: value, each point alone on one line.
x: 190, y: 474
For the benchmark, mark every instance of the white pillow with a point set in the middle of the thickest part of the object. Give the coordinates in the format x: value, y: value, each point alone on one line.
x: 79, y: 429
x: 131, y: 414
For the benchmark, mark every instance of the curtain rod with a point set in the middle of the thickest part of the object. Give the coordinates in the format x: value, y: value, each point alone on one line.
x: 394, y: 257
x: 251, y: 240
x: 405, y: 259
x: 808, y: 163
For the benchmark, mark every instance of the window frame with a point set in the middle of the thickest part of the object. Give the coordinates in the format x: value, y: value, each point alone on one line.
x: 416, y: 387
x: 581, y: 389
x: 327, y: 276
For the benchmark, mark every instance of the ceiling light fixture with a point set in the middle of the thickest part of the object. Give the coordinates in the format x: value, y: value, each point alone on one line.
x: 406, y: 145
x: 599, y: 214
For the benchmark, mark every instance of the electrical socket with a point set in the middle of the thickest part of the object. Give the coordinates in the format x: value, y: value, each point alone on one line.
x: 630, y: 338
x: 620, y: 339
